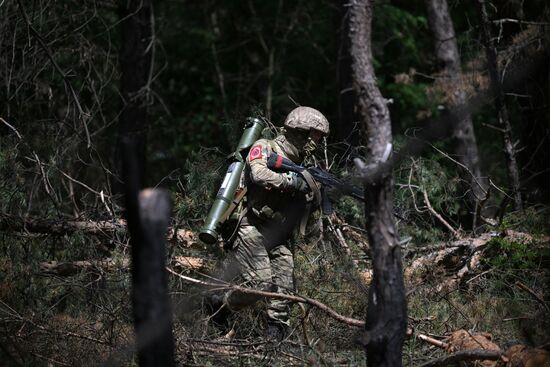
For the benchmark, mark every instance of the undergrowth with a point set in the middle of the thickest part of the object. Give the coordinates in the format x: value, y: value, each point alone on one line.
x: 96, y: 304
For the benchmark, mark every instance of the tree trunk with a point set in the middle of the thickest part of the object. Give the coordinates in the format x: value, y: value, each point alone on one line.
x: 502, y: 112
x: 135, y: 66
x: 387, y: 311
x: 345, y: 130
x: 148, y: 216
x: 147, y: 212
x: 535, y: 153
x: 464, y: 140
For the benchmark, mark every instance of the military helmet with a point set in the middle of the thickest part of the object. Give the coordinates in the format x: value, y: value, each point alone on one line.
x: 307, y: 118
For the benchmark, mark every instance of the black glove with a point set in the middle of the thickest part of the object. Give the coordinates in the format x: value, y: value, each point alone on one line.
x: 298, y: 183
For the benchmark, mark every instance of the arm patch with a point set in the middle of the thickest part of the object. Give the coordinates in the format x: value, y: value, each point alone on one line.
x: 255, y: 152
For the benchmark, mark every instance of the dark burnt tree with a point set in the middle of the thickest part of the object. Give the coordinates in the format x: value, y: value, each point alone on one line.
x: 148, y: 217
x: 462, y: 128
x: 147, y: 211
x: 387, y: 310
x: 136, y: 57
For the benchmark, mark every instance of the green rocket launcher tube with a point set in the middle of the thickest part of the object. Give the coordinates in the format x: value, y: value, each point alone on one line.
x: 226, y: 193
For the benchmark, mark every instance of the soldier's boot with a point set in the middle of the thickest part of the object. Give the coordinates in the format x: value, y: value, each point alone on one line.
x: 217, y: 310
x: 276, y: 331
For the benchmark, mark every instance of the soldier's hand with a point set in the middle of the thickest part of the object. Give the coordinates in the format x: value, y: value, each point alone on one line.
x: 298, y: 183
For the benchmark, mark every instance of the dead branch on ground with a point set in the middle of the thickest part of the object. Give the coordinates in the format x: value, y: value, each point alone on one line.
x: 463, y: 356
x: 432, y: 341
x: 183, y: 237
x: 459, y: 258
x: 218, y: 284
x: 185, y: 263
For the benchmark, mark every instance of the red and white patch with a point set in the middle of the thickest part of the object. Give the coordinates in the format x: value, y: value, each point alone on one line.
x: 255, y: 152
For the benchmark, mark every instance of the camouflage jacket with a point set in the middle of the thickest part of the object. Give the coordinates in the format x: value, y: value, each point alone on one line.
x: 273, y: 204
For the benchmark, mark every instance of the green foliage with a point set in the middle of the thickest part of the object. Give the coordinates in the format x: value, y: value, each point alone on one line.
x: 444, y: 193
x: 398, y: 27
x: 508, y: 254
x: 534, y: 220
x: 12, y: 197
x: 400, y: 41
x: 204, y: 173
x: 351, y: 210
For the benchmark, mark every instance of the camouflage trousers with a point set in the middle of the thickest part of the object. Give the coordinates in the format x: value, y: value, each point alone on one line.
x: 262, y: 267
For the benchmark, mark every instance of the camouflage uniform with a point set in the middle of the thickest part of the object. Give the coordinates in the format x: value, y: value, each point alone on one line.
x: 275, y: 205
x: 274, y: 208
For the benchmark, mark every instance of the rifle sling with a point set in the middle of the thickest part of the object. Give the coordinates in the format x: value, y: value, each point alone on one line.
x: 231, y: 238
x: 316, y: 191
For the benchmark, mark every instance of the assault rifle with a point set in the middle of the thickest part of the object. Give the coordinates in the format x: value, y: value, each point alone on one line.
x: 328, y: 181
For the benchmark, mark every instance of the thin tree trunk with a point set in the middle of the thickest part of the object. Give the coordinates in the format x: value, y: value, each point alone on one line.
x: 135, y: 66
x: 502, y: 112
x: 464, y: 139
x: 387, y: 311
x: 535, y: 155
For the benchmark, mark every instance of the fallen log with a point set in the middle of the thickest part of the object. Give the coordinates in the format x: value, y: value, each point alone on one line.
x: 463, y: 356
x: 461, y: 258
x: 63, y: 269
x: 183, y: 237
x: 74, y: 267
x: 457, y: 258
x: 58, y: 227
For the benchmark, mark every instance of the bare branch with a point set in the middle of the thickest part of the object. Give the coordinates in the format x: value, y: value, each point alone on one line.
x: 455, y: 233
x: 432, y: 341
x: 81, y: 114
x: 290, y: 297
x: 532, y: 292
x: 11, y: 127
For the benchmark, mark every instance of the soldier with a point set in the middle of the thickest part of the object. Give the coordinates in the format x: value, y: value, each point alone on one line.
x: 276, y: 203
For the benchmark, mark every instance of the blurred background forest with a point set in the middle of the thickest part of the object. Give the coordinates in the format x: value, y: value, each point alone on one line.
x: 68, y: 94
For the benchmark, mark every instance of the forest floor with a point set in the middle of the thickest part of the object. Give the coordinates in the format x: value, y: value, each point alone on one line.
x: 489, y: 290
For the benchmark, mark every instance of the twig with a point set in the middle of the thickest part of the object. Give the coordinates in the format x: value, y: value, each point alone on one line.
x: 83, y: 184
x: 510, y: 20
x: 342, y: 242
x: 499, y: 189
x: 22, y: 319
x: 493, y: 127
x: 432, y: 341
x: 81, y: 114
x: 478, y: 276
x: 290, y: 297
x: 485, y: 193
x: 411, y: 187
x: 532, y: 292
x: 465, y: 355
x: 304, y: 319
x: 49, y: 360
x: 11, y: 127
x: 517, y: 318
x: 438, y: 216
